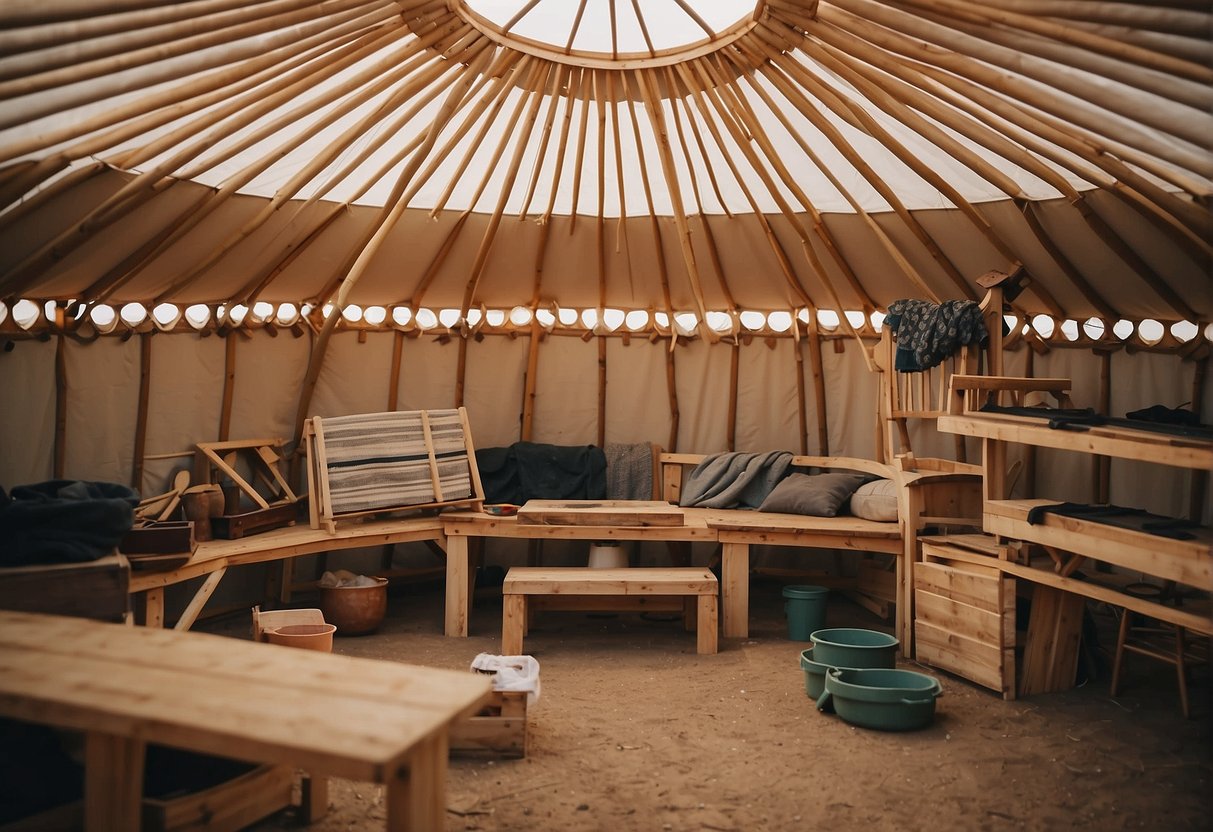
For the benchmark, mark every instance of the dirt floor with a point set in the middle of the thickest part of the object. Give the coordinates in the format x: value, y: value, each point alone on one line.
x: 634, y: 730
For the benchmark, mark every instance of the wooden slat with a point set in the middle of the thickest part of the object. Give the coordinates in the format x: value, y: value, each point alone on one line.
x: 600, y: 513
x: 980, y: 663
x: 575, y: 580
x: 952, y: 616
x: 972, y: 586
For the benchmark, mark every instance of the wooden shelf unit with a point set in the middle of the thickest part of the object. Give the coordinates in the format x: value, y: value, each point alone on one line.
x: 1068, y: 542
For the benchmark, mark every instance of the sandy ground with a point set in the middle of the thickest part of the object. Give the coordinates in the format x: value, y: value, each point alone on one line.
x: 634, y: 730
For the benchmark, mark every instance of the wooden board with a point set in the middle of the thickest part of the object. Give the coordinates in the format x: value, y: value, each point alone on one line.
x: 583, y: 580
x: 97, y: 589
x: 600, y: 513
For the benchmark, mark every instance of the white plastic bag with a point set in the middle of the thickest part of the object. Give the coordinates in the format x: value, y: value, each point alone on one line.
x: 511, y: 673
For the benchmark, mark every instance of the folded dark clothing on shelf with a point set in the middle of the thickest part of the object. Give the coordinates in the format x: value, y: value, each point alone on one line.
x: 1125, y: 518
x: 1084, y: 418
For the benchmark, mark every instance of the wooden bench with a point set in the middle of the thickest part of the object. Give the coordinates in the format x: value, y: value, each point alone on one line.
x: 926, y: 499
x: 213, y: 558
x: 585, y: 588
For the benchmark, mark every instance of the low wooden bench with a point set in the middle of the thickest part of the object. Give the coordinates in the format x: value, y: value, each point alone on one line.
x: 585, y: 588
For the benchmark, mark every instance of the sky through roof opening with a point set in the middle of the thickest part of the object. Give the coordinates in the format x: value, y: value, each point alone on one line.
x: 633, y: 27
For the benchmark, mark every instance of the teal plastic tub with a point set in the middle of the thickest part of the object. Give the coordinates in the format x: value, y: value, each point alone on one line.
x: 851, y: 647
x: 814, y: 674
x: 880, y: 698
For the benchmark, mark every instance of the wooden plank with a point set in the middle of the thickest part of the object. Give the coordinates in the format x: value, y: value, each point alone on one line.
x: 234, y: 804
x: 961, y: 584
x: 580, y: 580
x: 607, y: 603
x: 977, y: 662
x: 1124, y: 443
x: 1051, y: 649
x: 97, y: 589
x: 1185, y: 561
x: 979, y: 625
x: 600, y: 513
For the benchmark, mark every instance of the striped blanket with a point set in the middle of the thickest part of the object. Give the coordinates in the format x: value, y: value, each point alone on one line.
x: 380, y: 460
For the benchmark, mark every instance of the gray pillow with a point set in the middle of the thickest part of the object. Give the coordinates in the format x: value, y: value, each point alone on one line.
x: 819, y: 495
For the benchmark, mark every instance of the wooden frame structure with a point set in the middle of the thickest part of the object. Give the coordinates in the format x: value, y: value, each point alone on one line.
x: 402, y: 466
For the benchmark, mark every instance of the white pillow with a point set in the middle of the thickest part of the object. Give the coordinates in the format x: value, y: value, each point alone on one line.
x: 876, y: 500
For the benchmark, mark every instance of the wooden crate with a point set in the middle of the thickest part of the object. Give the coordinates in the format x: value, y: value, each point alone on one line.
x: 965, y: 619
x: 230, y: 806
x: 499, y: 729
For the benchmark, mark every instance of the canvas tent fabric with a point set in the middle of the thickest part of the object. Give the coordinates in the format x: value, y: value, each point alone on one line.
x: 822, y: 154
x: 402, y: 177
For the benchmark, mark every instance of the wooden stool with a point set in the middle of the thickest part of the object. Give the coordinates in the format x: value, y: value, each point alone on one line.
x: 585, y: 588
x: 1165, y: 642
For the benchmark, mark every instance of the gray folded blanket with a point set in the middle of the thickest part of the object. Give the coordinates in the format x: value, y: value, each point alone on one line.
x: 734, y: 480
x: 629, y: 471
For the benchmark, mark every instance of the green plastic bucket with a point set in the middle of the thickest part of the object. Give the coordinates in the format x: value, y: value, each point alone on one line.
x: 814, y: 674
x: 806, y: 610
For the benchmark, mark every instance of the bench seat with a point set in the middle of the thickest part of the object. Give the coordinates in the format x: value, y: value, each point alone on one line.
x: 585, y: 588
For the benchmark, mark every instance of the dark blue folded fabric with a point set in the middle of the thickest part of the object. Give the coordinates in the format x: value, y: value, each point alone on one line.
x: 64, y: 521
x: 537, y: 471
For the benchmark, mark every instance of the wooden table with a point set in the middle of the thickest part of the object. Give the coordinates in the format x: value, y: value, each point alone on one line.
x: 330, y: 715
x: 460, y: 526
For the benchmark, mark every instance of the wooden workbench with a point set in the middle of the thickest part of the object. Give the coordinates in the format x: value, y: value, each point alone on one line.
x: 330, y: 715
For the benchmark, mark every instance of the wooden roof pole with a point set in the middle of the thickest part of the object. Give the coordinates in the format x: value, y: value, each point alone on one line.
x: 708, y: 238
x: 199, y: 62
x: 1051, y: 29
x: 558, y: 82
x: 188, y: 96
x: 109, y: 21
x: 819, y: 226
x: 621, y: 233
x: 652, y: 101
x: 679, y: 101
x: 663, y: 273
x: 600, y: 220
x: 839, y: 105
x: 578, y: 165
x: 309, y: 171
x: 387, y: 219
x: 89, y: 57
x: 976, y: 128
x: 844, y: 64
x: 644, y: 29
x: 494, y: 100
x: 906, y: 37
x: 800, y: 294
x: 149, y: 183
x: 145, y: 386
x: 532, y: 90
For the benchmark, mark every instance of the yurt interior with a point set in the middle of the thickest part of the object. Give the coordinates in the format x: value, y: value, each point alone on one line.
x: 606, y: 415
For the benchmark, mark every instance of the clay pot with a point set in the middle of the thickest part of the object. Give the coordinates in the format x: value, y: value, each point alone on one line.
x: 356, y: 610
x: 308, y: 636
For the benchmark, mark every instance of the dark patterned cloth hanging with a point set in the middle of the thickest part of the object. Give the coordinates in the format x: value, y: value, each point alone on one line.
x: 927, y: 332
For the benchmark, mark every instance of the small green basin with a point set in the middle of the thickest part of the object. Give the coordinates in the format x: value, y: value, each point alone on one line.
x: 881, y: 698
x: 814, y: 674
x: 852, y: 647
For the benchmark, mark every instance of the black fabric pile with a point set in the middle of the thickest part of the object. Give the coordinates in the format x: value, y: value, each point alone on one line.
x: 927, y: 332
x: 536, y: 471
x: 1124, y: 518
x: 1156, y: 419
x: 63, y: 521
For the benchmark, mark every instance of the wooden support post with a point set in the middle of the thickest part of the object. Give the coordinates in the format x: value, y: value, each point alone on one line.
x: 60, y: 407
x: 199, y: 600
x: 461, y: 370
x: 602, y: 390
x: 735, y: 586
x: 1102, y: 465
x: 145, y: 374
x: 416, y: 789
x: 153, y: 607
x: 393, y: 389
x: 819, y: 389
x: 113, y: 782
x: 229, y: 385
x: 671, y: 384
x: 1199, y: 478
x: 529, y: 383
x: 731, y: 427
x: 457, y: 597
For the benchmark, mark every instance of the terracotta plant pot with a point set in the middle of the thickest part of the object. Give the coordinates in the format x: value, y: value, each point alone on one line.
x: 356, y: 610
x: 308, y: 636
